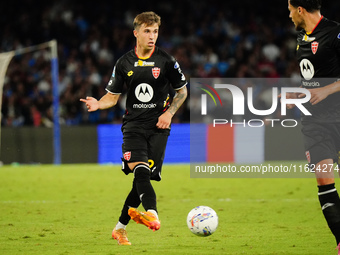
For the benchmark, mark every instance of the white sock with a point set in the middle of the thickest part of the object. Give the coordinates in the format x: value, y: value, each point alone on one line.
x: 154, y: 213
x: 120, y: 225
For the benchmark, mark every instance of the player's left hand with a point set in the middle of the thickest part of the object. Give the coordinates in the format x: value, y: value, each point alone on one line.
x: 164, y: 120
x: 318, y: 94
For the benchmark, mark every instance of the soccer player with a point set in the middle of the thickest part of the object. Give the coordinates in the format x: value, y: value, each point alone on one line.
x: 318, y: 53
x: 148, y: 73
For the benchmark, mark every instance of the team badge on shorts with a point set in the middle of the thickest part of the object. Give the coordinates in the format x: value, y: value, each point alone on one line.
x: 315, y: 46
x: 308, y: 156
x: 127, y: 155
x: 155, y: 72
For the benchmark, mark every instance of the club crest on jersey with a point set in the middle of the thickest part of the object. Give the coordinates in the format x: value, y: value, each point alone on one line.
x: 127, y: 155
x: 315, y: 46
x: 155, y: 72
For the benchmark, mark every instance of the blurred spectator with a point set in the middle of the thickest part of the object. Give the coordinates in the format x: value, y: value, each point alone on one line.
x: 242, y: 38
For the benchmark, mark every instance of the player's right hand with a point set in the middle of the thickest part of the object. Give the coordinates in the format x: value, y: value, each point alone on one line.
x: 92, y: 104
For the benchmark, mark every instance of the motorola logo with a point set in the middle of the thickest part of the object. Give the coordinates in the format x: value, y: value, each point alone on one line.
x: 307, y: 69
x: 144, y: 92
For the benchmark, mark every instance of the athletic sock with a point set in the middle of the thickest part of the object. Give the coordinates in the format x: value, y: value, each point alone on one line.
x: 132, y: 200
x: 154, y: 213
x: 120, y: 225
x: 145, y: 190
x: 330, y: 205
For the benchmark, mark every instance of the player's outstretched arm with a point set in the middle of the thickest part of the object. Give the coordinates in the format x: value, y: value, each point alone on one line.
x: 319, y: 94
x: 107, y: 101
x: 164, y: 120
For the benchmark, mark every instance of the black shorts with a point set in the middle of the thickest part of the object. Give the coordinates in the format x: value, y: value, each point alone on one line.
x: 322, y: 141
x: 146, y: 146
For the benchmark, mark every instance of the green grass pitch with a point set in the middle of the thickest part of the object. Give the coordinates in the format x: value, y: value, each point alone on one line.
x: 72, y: 209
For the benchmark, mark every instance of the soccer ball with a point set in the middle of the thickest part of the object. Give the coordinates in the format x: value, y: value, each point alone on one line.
x: 202, y: 221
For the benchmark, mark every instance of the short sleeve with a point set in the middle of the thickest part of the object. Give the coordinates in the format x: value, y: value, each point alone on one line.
x: 116, y: 82
x: 336, y: 40
x: 175, y: 75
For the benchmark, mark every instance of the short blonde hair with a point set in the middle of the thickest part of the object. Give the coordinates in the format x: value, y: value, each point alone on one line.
x: 147, y: 18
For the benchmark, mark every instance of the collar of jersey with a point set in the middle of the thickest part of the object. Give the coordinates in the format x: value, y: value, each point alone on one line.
x: 146, y: 57
x: 308, y: 33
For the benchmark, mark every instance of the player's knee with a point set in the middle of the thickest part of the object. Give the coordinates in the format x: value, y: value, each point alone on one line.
x: 325, y: 181
x: 132, y: 165
x: 142, y: 172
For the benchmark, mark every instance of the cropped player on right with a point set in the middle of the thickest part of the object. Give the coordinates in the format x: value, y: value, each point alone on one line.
x: 318, y: 53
